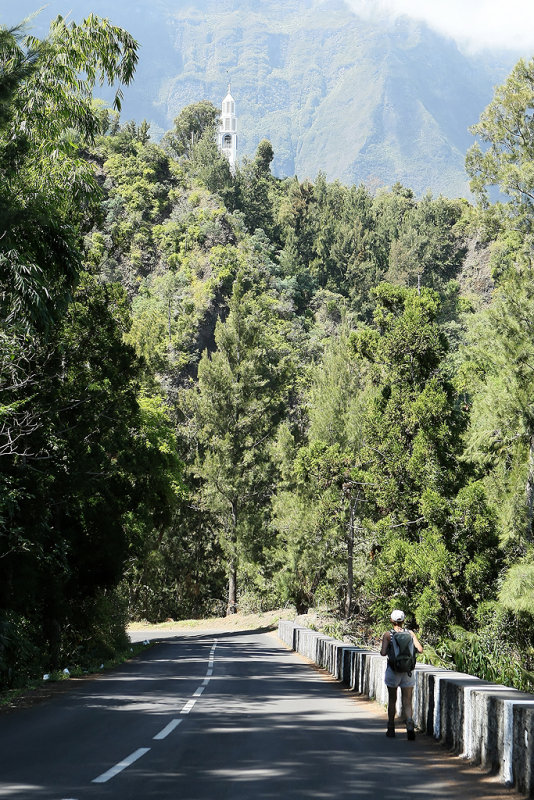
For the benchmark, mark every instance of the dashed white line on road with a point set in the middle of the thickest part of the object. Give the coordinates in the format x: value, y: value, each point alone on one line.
x: 188, y: 706
x: 106, y: 776
x: 168, y: 729
x: 131, y: 759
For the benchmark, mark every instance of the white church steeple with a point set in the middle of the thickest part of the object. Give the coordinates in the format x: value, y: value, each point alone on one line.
x: 227, y: 134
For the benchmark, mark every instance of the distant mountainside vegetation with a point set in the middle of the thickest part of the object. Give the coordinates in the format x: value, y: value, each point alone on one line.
x: 360, y: 101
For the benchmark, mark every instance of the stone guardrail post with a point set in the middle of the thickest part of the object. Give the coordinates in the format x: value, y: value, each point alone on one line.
x: 487, y: 724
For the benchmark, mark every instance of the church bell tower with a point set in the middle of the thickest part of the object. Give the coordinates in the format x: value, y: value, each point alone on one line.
x: 227, y: 134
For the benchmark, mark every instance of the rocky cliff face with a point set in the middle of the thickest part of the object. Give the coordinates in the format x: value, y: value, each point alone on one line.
x: 360, y: 101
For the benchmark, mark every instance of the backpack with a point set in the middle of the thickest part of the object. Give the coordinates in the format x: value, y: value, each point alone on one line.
x: 402, y: 656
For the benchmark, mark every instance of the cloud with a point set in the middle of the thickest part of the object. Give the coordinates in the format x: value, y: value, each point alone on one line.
x: 475, y: 24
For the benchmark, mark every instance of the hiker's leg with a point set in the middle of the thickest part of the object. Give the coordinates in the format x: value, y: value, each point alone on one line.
x: 407, y: 705
x: 407, y: 694
x: 392, y: 705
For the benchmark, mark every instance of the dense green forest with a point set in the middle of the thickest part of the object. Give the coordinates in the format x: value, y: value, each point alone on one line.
x: 236, y: 391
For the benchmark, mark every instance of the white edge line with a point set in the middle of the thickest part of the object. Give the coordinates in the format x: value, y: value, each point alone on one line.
x: 206, y: 681
x: 106, y: 776
x: 209, y: 673
x: 199, y: 691
x: 168, y: 729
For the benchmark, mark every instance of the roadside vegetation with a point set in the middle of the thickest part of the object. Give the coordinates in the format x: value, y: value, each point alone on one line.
x: 229, y: 392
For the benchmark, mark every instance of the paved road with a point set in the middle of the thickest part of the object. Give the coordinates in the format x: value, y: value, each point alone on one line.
x: 209, y: 716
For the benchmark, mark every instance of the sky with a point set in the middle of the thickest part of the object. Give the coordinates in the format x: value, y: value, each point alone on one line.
x: 474, y: 24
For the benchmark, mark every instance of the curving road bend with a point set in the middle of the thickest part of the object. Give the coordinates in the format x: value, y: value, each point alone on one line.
x: 214, y: 715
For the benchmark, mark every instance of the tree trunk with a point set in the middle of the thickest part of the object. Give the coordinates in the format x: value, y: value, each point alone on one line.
x: 350, y: 561
x: 232, y: 589
x: 232, y: 564
x: 529, y: 489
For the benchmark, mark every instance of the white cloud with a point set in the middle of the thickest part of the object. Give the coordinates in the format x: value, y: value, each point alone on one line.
x: 472, y: 23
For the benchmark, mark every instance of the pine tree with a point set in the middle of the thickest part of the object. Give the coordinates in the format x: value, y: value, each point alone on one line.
x: 316, y: 513
x: 413, y: 478
x: 242, y: 395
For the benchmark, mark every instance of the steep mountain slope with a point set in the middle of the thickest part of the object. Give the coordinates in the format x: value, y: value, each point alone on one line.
x: 361, y: 101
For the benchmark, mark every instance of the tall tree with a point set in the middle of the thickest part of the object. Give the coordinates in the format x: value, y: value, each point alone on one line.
x: 46, y: 187
x: 316, y: 508
x: 243, y: 390
x: 254, y: 184
x: 189, y: 127
x: 497, y: 376
x: 498, y: 379
x: 411, y: 468
x: 78, y: 481
x: 69, y: 418
x: 506, y: 128
x: 210, y: 167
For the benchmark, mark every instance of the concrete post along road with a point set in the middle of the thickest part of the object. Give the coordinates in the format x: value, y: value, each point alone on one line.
x: 215, y: 715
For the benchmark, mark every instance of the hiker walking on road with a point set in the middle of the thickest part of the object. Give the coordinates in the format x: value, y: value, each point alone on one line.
x: 399, y: 645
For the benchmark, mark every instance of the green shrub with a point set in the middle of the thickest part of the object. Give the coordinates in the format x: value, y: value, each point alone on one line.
x: 487, y: 655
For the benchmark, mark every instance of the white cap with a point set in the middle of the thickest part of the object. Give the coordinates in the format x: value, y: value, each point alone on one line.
x: 397, y: 615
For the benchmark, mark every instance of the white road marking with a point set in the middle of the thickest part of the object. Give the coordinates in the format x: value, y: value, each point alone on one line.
x: 168, y: 729
x: 211, y: 663
x: 131, y: 759
x: 106, y: 776
x: 188, y: 706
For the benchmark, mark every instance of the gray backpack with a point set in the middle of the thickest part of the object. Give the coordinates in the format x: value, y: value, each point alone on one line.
x: 402, y: 655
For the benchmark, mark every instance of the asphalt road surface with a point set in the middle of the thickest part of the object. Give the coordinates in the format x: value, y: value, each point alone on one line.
x: 208, y: 716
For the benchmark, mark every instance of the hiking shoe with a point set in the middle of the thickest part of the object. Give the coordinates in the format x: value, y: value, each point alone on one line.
x: 390, y: 732
x: 410, y: 729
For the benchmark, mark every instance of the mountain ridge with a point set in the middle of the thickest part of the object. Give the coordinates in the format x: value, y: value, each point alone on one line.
x: 359, y: 101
